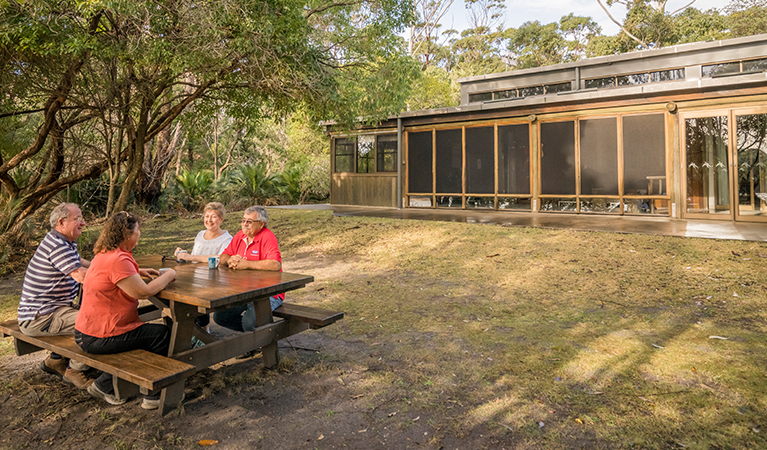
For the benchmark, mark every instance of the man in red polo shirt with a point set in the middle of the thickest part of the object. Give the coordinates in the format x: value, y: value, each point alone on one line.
x: 252, y: 248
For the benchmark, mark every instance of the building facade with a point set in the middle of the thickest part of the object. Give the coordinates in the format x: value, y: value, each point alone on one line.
x: 677, y: 132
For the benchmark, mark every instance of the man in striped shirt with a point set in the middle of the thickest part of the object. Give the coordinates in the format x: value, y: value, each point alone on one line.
x: 50, y: 285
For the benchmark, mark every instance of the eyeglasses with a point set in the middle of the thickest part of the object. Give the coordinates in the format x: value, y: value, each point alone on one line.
x: 249, y: 222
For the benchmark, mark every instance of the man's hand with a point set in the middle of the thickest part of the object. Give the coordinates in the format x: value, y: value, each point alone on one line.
x: 235, y: 262
x: 238, y: 262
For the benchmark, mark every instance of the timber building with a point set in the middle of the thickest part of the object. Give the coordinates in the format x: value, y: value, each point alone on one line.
x: 676, y: 132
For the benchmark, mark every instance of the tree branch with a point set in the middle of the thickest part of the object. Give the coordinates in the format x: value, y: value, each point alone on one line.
x: 683, y: 8
x: 622, y: 27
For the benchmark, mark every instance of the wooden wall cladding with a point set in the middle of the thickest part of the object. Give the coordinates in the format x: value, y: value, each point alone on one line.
x: 364, y: 190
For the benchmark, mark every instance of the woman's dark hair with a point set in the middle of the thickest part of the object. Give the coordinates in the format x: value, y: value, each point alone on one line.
x: 117, y: 229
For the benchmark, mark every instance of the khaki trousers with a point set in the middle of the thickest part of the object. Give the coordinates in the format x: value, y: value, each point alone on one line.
x: 59, y: 322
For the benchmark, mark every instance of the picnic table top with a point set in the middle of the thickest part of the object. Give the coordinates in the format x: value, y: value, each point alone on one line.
x: 198, y: 285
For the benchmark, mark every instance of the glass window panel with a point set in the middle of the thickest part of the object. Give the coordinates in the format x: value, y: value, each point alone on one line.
x: 511, y: 93
x: 480, y: 160
x: 514, y: 203
x: 344, y: 157
x: 707, y: 169
x: 600, y: 83
x: 531, y: 91
x: 645, y: 206
x: 644, y: 155
x: 714, y: 70
x: 559, y: 204
x: 752, y: 164
x: 558, y: 158
x: 480, y: 202
x: 601, y: 205
x: 419, y: 167
x: 514, y: 159
x: 386, y: 147
x: 666, y: 75
x: 422, y: 201
x: 482, y: 97
x: 449, y: 161
x: 755, y: 65
x: 449, y: 201
x: 560, y: 87
x: 599, y: 156
x: 366, y: 154
x: 633, y: 79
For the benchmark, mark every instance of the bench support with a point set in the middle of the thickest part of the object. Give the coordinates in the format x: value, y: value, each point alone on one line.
x: 171, y: 397
x: 124, y: 389
x: 24, y: 348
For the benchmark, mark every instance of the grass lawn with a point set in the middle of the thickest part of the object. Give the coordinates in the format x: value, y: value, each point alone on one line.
x: 540, y: 338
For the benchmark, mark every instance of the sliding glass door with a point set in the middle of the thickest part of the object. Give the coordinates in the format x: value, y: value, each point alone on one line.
x: 726, y: 164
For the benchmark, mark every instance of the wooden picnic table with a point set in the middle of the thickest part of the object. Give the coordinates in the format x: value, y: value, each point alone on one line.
x: 199, y: 290
x: 196, y: 290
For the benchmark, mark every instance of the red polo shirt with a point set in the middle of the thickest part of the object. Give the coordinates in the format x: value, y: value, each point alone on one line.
x: 264, y: 246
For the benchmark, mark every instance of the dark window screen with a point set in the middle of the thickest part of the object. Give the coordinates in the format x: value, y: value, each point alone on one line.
x: 514, y: 159
x: 449, y: 162
x: 345, y: 155
x: 480, y: 160
x: 644, y: 152
x: 419, y: 156
x: 387, y: 153
x: 558, y: 158
x: 599, y: 156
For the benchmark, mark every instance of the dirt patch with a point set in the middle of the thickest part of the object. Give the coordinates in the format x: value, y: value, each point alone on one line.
x: 329, y: 392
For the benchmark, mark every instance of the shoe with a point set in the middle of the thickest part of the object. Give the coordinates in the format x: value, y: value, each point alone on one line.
x: 154, y: 403
x: 109, y: 398
x: 54, y: 366
x: 248, y: 355
x: 196, y: 343
x: 77, y: 378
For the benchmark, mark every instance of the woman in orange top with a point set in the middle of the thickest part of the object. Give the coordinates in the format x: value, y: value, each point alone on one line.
x: 108, y: 320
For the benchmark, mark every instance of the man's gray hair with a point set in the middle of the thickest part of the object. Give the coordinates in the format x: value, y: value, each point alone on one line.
x: 61, y: 211
x: 263, y: 216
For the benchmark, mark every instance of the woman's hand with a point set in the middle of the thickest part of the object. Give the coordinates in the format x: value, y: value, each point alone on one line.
x: 180, y: 254
x: 149, y: 273
x: 172, y: 275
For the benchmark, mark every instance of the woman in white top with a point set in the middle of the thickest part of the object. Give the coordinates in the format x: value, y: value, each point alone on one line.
x: 212, y: 240
x: 209, y: 242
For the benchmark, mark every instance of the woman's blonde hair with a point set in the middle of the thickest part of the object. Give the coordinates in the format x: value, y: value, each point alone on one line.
x: 216, y: 207
x: 118, y: 228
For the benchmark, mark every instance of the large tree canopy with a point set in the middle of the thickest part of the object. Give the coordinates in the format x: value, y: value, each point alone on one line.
x: 98, y: 80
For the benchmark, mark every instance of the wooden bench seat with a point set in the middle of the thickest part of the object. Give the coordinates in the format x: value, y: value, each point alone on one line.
x: 139, y: 368
x: 315, y: 317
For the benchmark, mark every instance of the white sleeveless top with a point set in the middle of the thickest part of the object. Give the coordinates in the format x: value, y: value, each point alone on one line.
x: 211, y: 247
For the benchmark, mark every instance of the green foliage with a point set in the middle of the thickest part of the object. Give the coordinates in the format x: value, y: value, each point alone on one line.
x: 433, y: 88
x: 746, y: 17
x: 196, y: 187
x: 288, y: 183
x: 537, y: 45
x: 648, y: 25
x: 117, y: 74
x: 251, y: 183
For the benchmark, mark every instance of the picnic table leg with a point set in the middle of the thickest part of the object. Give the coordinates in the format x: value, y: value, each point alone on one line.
x: 170, y: 397
x: 183, y: 316
x: 270, y: 352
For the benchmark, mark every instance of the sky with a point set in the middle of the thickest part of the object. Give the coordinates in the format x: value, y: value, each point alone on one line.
x: 547, y: 11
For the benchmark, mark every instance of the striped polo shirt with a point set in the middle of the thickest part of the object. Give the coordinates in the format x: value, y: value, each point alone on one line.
x: 47, y: 284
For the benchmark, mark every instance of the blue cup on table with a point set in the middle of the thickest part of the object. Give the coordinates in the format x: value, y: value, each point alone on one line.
x: 213, y: 262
